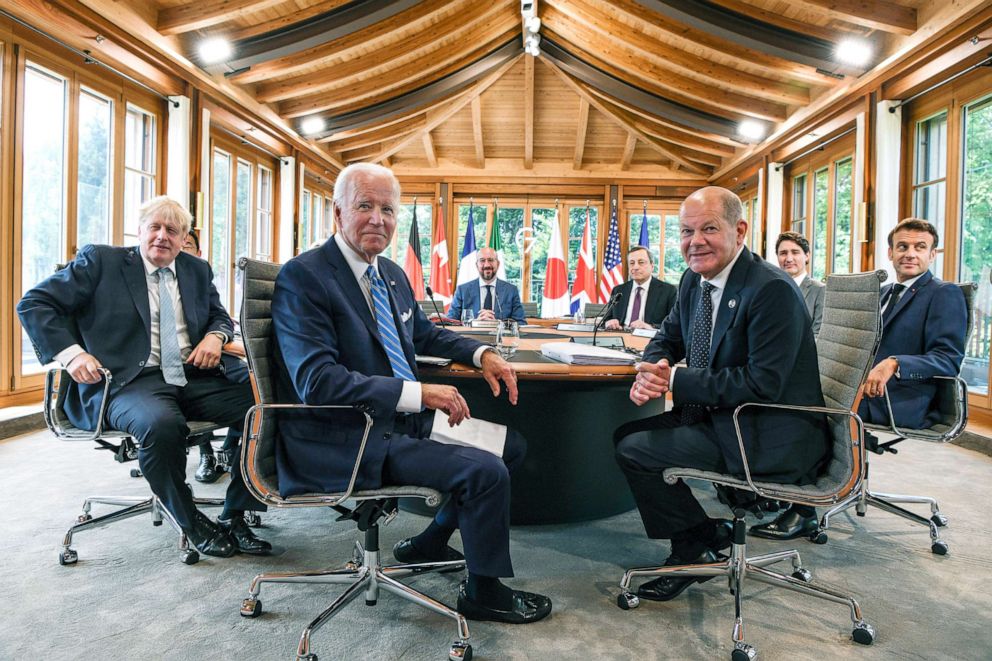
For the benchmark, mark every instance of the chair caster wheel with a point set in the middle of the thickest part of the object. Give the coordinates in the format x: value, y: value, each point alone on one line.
x: 460, y: 651
x: 864, y: 633
x: 253, y: 519
x: 83, y: 518
x: 157, y: 523
x: 189, y: 557
x: 136, y: 473
x: 803, y: 574
x: 251, y: 607
x: 939, y: 520
x: 627, y: 600
x: 68, y: 557
x: 307, y: 657
x: 939, y: 547
x: 743, y: 652
x: 818, y: 537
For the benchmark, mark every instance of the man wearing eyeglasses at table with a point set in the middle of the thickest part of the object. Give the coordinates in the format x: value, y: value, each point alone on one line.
x: 488, y: 297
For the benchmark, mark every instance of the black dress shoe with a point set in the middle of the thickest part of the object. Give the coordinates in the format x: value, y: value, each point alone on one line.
x: 406, y: 553
x: 527, y: 607
x: 207, y: 471
x: 244, y: 537
x: 668, y: 587
x: 211, y: 539
x: 788, y: 525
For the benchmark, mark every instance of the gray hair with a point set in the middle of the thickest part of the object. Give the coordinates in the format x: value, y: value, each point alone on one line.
x: 733, y: 208
x: 342, y: 185
x: 167, y: 209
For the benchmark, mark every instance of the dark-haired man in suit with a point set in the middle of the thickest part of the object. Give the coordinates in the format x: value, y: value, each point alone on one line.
x: 742, y: 326
x: 792, y: 250
x: 487, y: 297
x: 347, y: 329
x: 152, y: 316
x: 644, y: 301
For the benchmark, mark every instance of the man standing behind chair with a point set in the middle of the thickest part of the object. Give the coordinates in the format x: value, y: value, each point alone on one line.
x: 347, y: 329
x: 652, y: 299
x: 742, y: 327
x: 924, y: 322
x: 792, y: 250
x: 487, y: 297
x: 152, y: 316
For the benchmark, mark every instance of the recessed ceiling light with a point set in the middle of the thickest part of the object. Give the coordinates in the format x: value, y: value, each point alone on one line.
x: 312, y: 125
x: 215, y: 49
x: 751, y: 130
x: 854, y: 52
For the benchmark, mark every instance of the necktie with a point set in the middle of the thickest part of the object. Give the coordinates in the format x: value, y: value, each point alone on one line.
x: 699, y: 351
x: 171, y: 360
x: 387, y: 327
x: 488, y: 304
x: 635, y: 312
x: 894, y: 296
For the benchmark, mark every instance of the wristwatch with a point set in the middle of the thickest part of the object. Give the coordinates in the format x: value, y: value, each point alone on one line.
x: 222, y: 335
x: 895, y: 358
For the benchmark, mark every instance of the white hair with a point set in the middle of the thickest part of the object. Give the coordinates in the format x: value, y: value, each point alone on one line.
x: 165, y: 208
x: 342, y: 185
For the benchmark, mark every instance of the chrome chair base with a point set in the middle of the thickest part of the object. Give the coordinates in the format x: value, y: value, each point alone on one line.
x: 364, y: 574
x: 862, y: 498
x: 738, y: 568
x: 130, y: 507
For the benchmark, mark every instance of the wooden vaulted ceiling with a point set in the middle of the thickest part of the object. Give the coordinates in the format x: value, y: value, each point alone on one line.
x: 657, y: 87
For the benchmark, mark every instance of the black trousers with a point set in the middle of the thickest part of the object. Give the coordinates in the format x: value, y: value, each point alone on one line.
x: 155, y: 414
x: 645, y: 448
x: 478, y: 483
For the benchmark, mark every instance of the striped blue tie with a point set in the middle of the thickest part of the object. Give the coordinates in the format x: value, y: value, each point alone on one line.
x: 171, y: 360
x: 387, y: 327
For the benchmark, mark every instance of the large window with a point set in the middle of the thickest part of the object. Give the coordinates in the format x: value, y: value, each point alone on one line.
x: 930, y: 178
x: 95, y: 172
x: 663, y: 238
x: 140, y: 167
x: 424, y: 214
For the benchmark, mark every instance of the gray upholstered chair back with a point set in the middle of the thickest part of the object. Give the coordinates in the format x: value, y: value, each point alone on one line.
x: 530, y: 309
x: 259, y: 282
x: 593, y: 309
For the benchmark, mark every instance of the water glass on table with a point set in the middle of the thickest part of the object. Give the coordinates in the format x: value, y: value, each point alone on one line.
x: 467, y: 317
x: 507, y: 337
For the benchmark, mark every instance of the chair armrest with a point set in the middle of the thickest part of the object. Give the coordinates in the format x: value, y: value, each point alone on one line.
x: 250, y: 436
x: 791, y: 407
x: 961, y: 420
x: 54, y: 401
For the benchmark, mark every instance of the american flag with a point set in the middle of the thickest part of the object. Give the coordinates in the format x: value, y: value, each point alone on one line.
x: 612, y: 271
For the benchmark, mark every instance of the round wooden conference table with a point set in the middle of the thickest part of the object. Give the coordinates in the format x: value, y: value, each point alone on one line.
x: 568, y: 414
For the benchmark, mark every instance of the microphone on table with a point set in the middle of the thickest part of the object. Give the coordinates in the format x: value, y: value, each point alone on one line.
x: 614, y: 299
x: 430, y: 295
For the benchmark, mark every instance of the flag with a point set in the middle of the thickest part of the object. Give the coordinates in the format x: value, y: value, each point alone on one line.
x: 584, y: 287
x: 413, y: 265
x: 556, y: 302
x: 496, y: 243
x: 644, y: 240
x: 466, y: 264
x: 612, y: 271
x: 440, y: 273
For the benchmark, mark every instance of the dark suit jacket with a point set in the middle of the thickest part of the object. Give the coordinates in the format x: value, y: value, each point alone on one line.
x: 329, y: 352
x: 661, y: 300
x: 814, y: 292
x: 926, y: 333
x: 506, y: 305
x: 762, y: 350
x: 100, y: 301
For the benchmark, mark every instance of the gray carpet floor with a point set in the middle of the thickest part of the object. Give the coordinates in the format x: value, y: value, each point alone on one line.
x: 130, y: 598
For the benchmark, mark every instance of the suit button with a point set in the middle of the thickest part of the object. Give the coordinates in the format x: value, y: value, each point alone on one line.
x: 141, y: 364
x: 387, y: 435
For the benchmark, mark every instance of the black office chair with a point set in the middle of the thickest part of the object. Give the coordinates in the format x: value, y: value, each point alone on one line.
x: 364, y: 573
x: 846, y: 347
x: 56, y: 388
x: 952, y: 403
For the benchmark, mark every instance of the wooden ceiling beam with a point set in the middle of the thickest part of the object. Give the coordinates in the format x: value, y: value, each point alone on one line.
x: 429, y: 149
x: 239, y: 33
x: 628, y: 151
x: 595, y: 31
x: 580, y: 133
x: 480, y: 149
x: 883, y: 15
x: 381, y: 134
x: 778, y: 19
x: 528, y: 112
x: 670, y: 154
x: 207, y: 13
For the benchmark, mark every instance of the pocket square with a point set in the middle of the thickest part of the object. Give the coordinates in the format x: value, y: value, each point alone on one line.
x: 405, y: 316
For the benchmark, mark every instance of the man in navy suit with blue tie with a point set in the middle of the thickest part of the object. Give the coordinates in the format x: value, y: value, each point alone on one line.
x: 487, y: 297
x: 347, y: 328
x: 150, y: 315
x: 743, y: 329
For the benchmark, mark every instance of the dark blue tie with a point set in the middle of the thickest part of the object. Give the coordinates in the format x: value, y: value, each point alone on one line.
x: 699, y: 350
x: 387, y: 327
x: 488, y: 304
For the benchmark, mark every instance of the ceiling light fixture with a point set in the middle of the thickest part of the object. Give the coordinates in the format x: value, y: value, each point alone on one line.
x: 751, y: 130
x: 532, y: 26
x: 214, y: 50
x: 312, y: 125
x: 854, y: 52
x: 532, y: 45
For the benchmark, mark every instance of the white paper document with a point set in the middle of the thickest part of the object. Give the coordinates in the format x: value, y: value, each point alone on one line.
x: 645, y: 332
x: 433, y: 360
x: 585, y: 354
x: 471, y: 433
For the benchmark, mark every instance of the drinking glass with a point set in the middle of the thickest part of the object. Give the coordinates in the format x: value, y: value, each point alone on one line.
x: 580, y: 317
x: 507, y: 337
x: 467, y: 317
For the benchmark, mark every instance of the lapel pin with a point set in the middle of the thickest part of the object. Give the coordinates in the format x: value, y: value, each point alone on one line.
x: 732, y: 303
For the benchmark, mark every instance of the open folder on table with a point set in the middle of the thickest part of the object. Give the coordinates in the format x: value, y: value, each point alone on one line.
x: 572, y: 353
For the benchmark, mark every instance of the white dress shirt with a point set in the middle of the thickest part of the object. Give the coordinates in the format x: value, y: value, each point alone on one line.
x: 630, y: 303
x: 798, y: 279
